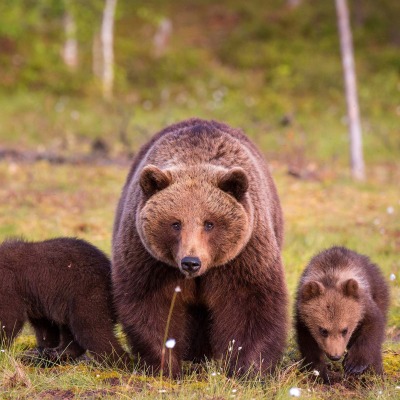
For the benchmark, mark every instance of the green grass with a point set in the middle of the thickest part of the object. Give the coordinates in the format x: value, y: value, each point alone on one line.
x: 42, y: 200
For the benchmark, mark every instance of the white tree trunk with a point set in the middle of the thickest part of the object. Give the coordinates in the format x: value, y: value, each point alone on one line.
x: 107, y: 40
x: 97, y: 56
x: 70, y: 49
x: 346, y: 44
x: 293, y: 3
x: 162, y: 37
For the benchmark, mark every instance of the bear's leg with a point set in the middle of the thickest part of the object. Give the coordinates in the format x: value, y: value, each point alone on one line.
x: 144, y: 321
x: 313, y: 356
x: 364, y: 349
x: 67, y: 350
x: 246, y: 330
x: 46, y: 331
x: 12, y: 310
x: 11, y: 323
x: 93, y: 329
x: 199, y: 321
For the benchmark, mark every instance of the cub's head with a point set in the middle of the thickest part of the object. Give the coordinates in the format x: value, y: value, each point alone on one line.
x: 331, y: 314
x: 194, y: 218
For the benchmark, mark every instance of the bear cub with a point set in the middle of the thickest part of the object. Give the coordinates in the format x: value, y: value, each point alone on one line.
x: 342, y: 301
x: 63, y: 288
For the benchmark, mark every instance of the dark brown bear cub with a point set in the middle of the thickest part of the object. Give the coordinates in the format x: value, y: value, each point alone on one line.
x: 342, y: 301
x: 63, y: 288
x: 199, y: 210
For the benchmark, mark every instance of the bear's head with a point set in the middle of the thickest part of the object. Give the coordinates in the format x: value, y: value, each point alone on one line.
x: 194, y: 218
x: 331, y: 314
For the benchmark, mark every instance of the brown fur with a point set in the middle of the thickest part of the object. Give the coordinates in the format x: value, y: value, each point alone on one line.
x: 63, y: 288
x: 342, y: 301
x: 196, y: 173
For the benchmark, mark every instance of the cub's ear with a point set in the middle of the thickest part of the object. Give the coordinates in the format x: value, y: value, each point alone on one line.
x: 234, y: 182
x: 311, y: 289
x: 350, y: 288
x: 152, y: 180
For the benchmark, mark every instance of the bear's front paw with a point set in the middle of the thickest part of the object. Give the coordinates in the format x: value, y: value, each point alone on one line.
x: 355, y: 363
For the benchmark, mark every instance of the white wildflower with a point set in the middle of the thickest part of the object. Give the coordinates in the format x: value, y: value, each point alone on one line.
x: 178, y: 289
x: 240, y: 348
x: 162, y: 391
x: 315, y: 372
x: 390, y: 210
x: 392, y: 277
x: 170, y: 343
x: 294, y: 392
x: 234, y: 390
x: 213, y: 373
x: 2, y: 350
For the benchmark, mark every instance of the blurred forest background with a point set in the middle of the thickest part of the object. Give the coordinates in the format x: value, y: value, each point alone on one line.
x: 272, y: 68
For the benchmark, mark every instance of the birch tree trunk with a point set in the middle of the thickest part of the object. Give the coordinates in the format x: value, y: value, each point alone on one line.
x: 107, y: 41
x: 293, y: 3
x: 346, y: 45
x: 97, y: 56
x: 70, y: 48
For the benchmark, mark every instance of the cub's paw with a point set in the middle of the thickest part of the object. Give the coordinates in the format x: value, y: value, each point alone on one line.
x: 355, y: 363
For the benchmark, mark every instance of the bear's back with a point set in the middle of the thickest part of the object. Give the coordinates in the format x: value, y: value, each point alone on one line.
x: 57, y: 267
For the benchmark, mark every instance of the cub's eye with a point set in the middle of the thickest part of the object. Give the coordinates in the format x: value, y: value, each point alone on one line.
x: 323, y: 332
x: 344, y: 332
x: 208, y: 226
x: 176, y: 226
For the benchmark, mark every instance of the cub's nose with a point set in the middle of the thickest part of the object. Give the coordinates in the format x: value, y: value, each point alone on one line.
x: 334, y: 358
x: 190, y: 265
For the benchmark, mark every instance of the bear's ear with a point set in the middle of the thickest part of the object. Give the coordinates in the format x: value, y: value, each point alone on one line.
x: 152, y: 180
x: 350, y: 288
x: 311, y: 289
x: 234, y: 182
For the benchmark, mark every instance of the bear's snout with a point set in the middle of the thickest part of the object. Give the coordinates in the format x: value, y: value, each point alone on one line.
x: 335, y: 357
x: 190, y: 265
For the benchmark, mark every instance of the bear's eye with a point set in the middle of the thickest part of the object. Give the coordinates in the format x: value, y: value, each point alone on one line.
x: 344, y: 332
x: 176, y: 226
x: 323, y: 332
x: 208, y: 226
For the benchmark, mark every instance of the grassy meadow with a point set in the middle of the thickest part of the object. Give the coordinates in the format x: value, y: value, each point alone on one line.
x: 273, y: 71
x: 41, y: 200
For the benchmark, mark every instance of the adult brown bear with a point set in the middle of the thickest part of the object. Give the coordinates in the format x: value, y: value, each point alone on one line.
x: 62, y: 287
x: 199, y: 210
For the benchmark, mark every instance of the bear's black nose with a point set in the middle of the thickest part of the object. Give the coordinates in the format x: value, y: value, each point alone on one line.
x: 334, y: 358
x: 190, y: 264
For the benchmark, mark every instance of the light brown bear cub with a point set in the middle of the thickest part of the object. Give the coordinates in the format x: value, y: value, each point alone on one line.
x: 342, y: 301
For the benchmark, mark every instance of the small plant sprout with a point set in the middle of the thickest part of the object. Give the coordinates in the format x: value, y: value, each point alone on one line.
x: 294, y: 392
x: 392, y: 277
x: 170, y: 343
